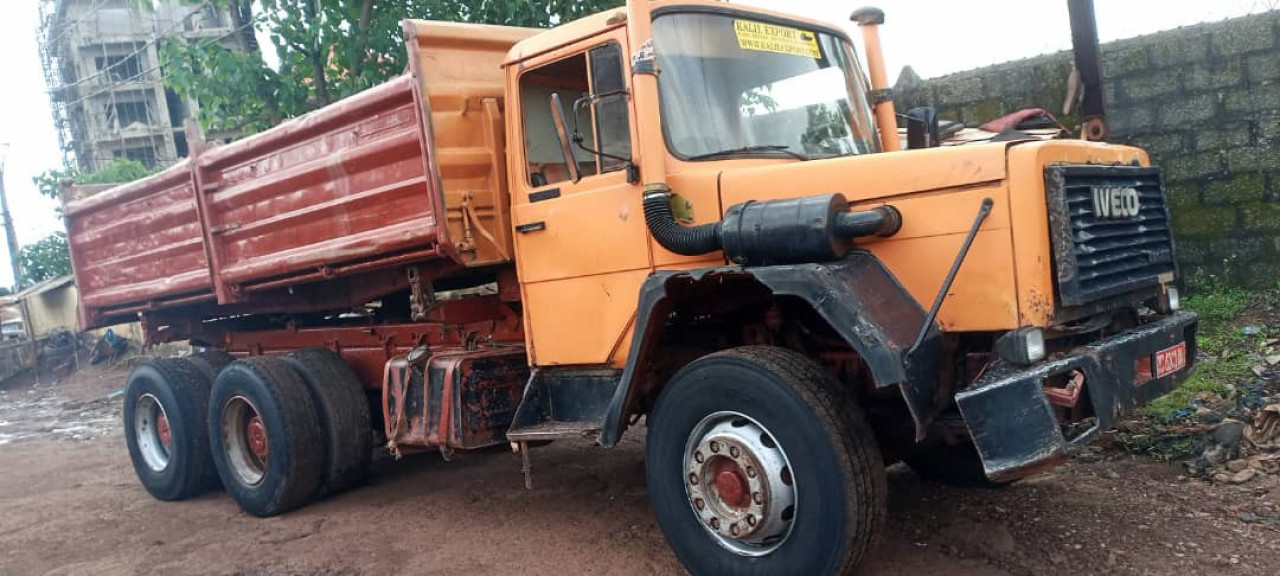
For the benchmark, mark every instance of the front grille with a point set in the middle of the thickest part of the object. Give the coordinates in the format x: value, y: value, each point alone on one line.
x: 1099, y: 256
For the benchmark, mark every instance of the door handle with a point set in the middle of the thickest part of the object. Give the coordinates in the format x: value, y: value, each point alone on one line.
x: 531, y: 227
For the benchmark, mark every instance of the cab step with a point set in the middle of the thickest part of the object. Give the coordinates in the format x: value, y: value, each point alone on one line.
x: 564, y: 404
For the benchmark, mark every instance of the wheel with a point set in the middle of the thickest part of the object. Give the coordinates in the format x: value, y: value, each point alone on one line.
x: 955, y: 465
x: 759, y: 463
x: 265, y: 436
x: 211, y: 362
x: 343, y: 409
x: 165, y: 407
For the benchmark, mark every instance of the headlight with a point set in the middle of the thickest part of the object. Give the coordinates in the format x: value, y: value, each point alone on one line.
x: 1022, y: 346
x: 1172, y: 295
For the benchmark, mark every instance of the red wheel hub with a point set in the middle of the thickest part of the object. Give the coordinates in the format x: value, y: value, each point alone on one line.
x: 162, y: 430
x: 731, y: 485
x: 256, y: 433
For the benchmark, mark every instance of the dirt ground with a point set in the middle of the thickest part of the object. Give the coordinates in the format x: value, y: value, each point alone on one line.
x: 70, y: 505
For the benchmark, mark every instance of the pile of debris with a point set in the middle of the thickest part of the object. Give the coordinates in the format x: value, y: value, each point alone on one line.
x: 1244, y: 439
x: 1229, y: 437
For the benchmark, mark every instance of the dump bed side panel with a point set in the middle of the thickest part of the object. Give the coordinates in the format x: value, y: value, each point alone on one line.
x: 458, y: 69
x: 137, y: 247
x: 344, y: 187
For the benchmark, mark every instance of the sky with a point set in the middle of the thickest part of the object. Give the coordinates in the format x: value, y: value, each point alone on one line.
x: 935, y: 37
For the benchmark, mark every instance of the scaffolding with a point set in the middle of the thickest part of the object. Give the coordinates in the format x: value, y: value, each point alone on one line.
x: 101, y: 62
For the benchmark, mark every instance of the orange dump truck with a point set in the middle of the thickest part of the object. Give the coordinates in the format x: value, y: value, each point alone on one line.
x: 686, y: 211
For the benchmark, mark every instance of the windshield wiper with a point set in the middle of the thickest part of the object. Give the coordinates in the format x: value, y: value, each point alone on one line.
x: 748, y: 149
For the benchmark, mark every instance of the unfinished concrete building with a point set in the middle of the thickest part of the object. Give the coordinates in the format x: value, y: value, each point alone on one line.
x: 105, y: 79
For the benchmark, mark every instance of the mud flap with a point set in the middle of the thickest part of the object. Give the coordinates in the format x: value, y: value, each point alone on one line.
x: 857, y: 296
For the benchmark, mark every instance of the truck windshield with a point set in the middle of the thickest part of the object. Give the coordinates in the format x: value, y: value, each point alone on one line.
x: 731, y: 87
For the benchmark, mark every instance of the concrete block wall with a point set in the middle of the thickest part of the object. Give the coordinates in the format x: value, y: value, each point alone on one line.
x: 1204, y: 101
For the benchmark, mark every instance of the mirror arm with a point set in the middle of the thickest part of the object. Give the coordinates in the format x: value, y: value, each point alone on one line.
x: 566, y: 141
x: 579, y: 139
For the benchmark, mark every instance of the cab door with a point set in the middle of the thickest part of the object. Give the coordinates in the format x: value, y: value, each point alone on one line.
x: 582, y: 247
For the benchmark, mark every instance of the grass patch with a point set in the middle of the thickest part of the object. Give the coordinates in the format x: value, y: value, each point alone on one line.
x: 1153, y: 443
x: 1212, y: 377
x: 1219, y: 306
x: 1225, y: 351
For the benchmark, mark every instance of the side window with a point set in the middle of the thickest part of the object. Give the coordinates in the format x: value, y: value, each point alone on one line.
x: 596, y: 105
x: 568, y: 78
x: 613, y: 122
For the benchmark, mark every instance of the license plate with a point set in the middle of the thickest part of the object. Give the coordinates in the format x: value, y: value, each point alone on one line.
x: 1171, y: 359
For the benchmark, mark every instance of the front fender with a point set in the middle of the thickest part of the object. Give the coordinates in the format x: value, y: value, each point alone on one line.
x: 857, y: 296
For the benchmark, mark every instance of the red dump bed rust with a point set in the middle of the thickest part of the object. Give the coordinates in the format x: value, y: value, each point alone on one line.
x: 407, y: 173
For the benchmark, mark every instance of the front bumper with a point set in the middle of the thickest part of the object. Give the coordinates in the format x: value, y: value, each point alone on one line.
x: 1015, y: 427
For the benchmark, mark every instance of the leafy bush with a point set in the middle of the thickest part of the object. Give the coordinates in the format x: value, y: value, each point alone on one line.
x: 118, y: 171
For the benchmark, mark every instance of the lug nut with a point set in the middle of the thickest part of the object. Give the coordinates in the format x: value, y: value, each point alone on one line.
x: 751, y: 519
x: 693, y: 479
x: 757, y: 497
x: 715, y: 523
x: 734, y: 530
x: 733, y: 451
x: 751, y: 472
x: 699, y: 504
x: 698, y: 456
x: 715, y: 447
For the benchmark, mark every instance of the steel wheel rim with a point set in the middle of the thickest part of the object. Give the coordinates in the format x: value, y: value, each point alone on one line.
x: 151, y: 429
x: 739, y: 483
x: 244, y: 440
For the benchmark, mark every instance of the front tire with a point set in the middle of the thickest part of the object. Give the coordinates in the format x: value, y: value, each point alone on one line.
x: 265, y: 436
x: 766, y: 434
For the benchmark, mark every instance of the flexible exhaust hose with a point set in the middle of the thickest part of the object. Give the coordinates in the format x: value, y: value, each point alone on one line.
x: 670, y: 234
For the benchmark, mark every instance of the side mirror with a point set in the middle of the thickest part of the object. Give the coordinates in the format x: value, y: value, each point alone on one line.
x: 562, y: 132
x: 922, y: 128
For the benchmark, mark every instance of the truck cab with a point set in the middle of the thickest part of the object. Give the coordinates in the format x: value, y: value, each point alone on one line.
x: 1019, y: 298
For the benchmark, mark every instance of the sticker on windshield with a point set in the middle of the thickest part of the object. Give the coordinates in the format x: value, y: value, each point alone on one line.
x: 763, y: 37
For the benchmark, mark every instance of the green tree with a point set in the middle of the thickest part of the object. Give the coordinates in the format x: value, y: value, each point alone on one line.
x: 48, y: 258
x: 118, y: 171
x: 328, y: 50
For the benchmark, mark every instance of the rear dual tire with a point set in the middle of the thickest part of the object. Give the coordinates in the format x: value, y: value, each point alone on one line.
x: 165, y: 407
x: 210, y: 362
x: 289, y: 429
x: 343, y: 411
x: 264, y: 433
x: 276, y: 432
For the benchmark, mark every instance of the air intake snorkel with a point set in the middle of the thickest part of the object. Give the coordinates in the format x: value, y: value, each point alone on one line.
x: 790, y: 231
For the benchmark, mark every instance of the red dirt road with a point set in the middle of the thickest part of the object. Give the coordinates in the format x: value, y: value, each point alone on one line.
x: 70, y: 505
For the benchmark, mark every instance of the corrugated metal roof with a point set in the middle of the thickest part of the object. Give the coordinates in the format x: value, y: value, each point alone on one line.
x: 47, y: 285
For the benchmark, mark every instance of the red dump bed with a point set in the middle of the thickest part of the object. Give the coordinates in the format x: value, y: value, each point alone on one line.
x: 138, y: 243
x: 406, y: 173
